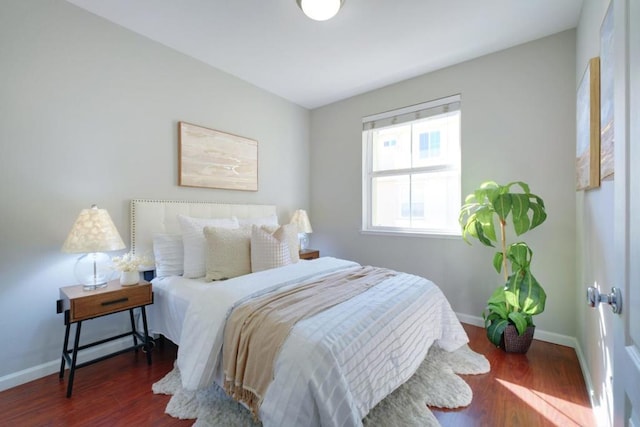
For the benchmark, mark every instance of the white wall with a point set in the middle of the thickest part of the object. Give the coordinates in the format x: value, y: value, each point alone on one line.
x: 88, y: 114
x: 518, y: 123
x: 595, y: 244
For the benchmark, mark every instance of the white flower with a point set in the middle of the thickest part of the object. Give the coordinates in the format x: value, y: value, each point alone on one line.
x: 130, y: 262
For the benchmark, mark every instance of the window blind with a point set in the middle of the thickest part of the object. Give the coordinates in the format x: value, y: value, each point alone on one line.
x: 411, y: 113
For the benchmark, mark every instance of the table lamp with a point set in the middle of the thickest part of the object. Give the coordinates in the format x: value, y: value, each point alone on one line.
x: 301, y: 220
x: 91, y: 234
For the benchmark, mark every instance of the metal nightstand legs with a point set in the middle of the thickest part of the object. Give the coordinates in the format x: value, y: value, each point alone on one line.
x: 70, y: 356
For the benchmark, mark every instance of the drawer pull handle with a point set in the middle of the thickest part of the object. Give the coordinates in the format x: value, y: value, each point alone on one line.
x: 115, y: 301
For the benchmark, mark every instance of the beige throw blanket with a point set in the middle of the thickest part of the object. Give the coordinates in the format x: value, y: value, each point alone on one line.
x: 256, y: 330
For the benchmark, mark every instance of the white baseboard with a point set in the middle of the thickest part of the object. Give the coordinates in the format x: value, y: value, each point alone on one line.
x: 599, y: 412
x: 48, y: 368
x: 471, y: 320
x: 540, y: 334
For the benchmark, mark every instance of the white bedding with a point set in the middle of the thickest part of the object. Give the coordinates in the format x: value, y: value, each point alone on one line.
x: 335, y: 366
x: 171, y: 298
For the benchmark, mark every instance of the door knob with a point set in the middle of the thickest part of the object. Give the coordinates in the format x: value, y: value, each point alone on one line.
x: 614, y: 299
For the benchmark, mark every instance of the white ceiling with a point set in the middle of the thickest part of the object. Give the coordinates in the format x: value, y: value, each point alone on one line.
x: 369, y: 44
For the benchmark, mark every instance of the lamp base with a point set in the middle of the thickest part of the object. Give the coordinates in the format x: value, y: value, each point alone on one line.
x: 92, y: 271
x: 304, y: 241
x: 93, y: 286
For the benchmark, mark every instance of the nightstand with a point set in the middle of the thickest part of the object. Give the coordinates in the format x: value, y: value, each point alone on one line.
x: 79, y: 305
x: 309, y: 254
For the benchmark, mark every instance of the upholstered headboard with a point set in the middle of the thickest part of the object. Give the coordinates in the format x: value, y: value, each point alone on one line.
x: 161, y: 216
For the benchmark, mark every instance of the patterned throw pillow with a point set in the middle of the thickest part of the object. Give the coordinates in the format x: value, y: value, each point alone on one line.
x: 228, y: 252
x: 269, y: 250
x: 292, y: 239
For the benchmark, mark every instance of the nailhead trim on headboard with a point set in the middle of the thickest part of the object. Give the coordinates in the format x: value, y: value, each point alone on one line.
x: 150, y: 216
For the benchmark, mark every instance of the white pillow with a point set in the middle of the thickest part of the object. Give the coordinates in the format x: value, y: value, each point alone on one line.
x: 228, y: 252
x: 263, y: 220
x: 194, y: 243
x: 168, y: 254
x: 269, y: 250
x: 292, y: 239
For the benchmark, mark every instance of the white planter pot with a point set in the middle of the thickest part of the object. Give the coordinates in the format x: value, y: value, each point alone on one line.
x: 128, y: 278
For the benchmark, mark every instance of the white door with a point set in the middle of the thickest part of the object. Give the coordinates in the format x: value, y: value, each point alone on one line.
x: 626, y: 375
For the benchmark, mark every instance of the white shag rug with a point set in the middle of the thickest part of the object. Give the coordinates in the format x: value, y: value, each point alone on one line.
x: 434, y: 384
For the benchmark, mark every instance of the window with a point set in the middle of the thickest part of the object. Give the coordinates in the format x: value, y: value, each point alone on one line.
x: 429, y: 144
x: 411, y: 169
x: 391, y: 143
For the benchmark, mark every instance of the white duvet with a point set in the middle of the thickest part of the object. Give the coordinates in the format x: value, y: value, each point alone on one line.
x: 335, y: 366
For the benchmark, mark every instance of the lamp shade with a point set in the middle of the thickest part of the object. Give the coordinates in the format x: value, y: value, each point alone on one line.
x: 301, y: 220
x: 320, y: 10
x: 93, y: 231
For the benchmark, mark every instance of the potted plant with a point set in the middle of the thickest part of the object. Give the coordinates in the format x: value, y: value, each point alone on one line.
x: 129, y: 267
x: 512, y: 305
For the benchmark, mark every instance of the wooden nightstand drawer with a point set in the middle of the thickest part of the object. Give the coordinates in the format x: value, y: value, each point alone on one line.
x: 309, y: 254
x: 84, y: 305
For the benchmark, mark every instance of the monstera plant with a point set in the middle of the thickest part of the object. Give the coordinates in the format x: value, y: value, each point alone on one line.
x: 486, y: 215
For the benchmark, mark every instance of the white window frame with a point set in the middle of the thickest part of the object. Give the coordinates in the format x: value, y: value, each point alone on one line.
x: 399, y: 116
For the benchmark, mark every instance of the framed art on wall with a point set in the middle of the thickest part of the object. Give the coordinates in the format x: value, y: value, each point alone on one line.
x: 588, y: 128
x: 213, y: 159
x: 606, y: 96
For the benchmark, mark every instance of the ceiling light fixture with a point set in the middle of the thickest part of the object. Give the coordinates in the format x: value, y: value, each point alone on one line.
x: 320, y: 10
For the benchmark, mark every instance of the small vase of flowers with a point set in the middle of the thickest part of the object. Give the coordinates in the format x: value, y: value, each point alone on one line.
x: 129, y: 265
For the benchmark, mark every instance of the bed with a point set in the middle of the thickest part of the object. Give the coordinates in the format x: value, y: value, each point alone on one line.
x: 334, y: 366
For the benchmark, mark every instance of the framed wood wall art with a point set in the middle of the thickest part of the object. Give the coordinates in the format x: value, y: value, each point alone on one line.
x: 606, y: 96
x: 588, y: 128
x: 213, y: 159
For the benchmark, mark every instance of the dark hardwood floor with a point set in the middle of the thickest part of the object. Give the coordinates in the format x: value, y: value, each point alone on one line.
x: 114, y: 392
x: 543, y: 387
